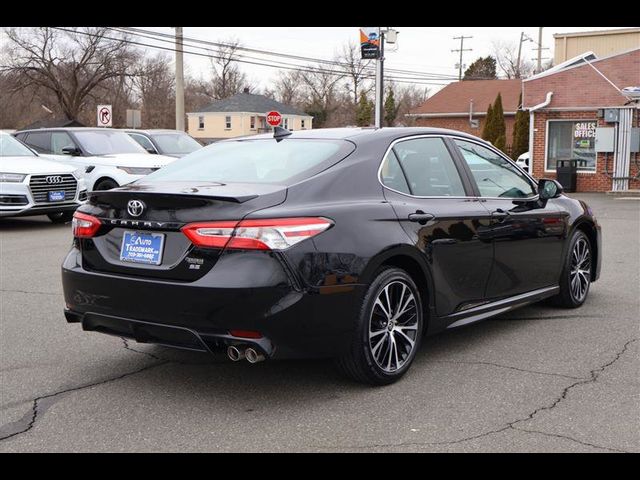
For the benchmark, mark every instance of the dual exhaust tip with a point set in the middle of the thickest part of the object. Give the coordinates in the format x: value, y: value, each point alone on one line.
x: 237, y: 353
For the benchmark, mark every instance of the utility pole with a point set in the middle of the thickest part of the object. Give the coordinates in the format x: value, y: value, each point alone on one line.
x: 519, y: 55
x: 539, y: 49
x: 461, y: 49
x: 179, y: 81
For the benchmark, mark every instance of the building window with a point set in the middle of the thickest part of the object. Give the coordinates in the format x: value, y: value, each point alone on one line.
x: 227, y: 122
x: 302, y: 123
x: 201, y: 123
x: 253, y: 123
x: 286, y: 123
x: 574, y: 140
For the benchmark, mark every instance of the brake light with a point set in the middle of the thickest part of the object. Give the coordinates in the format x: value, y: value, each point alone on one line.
x: 262, y: 234
x: 84, y: 226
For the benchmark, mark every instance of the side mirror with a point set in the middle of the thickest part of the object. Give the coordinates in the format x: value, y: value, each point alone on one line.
x: 152, y: 150
x: 548, y: 188
x: 71, y: 150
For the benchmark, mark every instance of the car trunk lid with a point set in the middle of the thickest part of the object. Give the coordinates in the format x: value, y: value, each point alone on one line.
x: 145, y: 240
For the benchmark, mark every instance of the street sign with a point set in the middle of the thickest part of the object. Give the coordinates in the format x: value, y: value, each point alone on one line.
x: 105, y: 116
x: 134, y: 118
x: 274, y: 118
x: 370, y: 42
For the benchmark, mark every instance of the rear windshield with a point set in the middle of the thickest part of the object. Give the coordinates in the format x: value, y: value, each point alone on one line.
x: 255, y: 161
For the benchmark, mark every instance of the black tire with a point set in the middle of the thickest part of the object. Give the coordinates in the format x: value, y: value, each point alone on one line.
x: 106, y: 184
x: 60, y: 217
x: 365, y: 356
x: 572, y: 295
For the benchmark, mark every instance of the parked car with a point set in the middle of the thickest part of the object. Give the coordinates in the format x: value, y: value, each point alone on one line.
x: 343, y: 243
x: 30, y: 185
x: 523, y: 162
x: 109, y: 157
x: 173, y: 143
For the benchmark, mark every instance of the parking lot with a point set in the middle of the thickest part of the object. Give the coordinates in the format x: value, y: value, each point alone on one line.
x: 537, y: 379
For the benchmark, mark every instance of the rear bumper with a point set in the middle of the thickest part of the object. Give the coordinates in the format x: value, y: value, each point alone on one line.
x: 199, y: 315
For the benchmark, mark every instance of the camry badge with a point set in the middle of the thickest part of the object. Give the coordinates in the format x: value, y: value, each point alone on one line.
x: 135, y: 208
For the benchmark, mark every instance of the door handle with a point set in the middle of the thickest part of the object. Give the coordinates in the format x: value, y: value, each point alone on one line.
x: 500, y: 215
x: 420, y: 217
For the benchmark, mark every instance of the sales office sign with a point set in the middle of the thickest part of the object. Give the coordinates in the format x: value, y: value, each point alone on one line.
x: 584, y: 134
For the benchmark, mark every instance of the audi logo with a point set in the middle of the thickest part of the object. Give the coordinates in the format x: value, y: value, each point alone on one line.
x: 135, y: 208
x: 53, y: 179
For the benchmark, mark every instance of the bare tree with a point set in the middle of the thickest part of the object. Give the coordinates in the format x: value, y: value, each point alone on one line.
x: 227, y: 79
x: 155, y: 84
x: 408, y: 98
x: 288, y: 87
x: 357, y: 70
x: 506, y: 54
x: 320, y: 84
x: 72, y: 65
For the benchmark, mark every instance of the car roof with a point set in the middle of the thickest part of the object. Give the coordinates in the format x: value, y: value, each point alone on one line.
x: 70, y: 129
x: 151, y: 131
x: 364, y: 134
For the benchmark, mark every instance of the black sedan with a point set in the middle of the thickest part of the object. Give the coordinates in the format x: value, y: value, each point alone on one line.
x: 342, y: 243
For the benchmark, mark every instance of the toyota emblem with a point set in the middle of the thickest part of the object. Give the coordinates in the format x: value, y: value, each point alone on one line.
x: 135, y: 208
x: 53, y: 179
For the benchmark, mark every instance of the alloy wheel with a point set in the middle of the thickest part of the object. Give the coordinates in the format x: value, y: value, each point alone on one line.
x: 393, y: 326
x: 580, y: 273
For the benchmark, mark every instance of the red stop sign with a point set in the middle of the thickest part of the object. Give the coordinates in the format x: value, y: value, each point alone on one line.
x: 274, y: 118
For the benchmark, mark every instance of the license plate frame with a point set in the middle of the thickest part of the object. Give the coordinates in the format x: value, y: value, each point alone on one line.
x: 56, y: 195
x: 142, y: 255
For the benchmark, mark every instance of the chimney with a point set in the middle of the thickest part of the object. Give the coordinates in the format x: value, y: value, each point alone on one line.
x: 246, y: 90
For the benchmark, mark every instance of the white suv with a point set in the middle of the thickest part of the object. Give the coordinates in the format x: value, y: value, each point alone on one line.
x: 31, y: 185
x: 110, y: 158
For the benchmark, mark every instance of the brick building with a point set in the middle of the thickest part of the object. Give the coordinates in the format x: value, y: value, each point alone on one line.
x: 463, y: 106
x: 567, y: 106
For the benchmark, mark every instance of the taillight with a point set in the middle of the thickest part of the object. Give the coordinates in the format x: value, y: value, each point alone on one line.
x: 84, y: 226
x: 263, y: 234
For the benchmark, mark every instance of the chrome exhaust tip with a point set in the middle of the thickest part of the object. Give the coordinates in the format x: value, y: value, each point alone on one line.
x: 235, y: 354
x: 253, y: 356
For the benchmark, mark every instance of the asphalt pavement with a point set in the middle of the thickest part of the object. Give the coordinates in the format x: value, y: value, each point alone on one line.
x: 536, y: 379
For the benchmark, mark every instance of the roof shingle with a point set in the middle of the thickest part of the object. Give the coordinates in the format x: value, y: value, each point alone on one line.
x: 249, y: 102
x: 455, y: 97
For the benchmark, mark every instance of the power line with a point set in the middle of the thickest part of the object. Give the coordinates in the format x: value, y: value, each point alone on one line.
x: 270, y: 65
x: 139, y: 31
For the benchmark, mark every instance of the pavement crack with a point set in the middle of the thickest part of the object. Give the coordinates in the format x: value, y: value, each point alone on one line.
x: 509, y: 367
x: 129, y: 347
x: 44, y: 402
x: 29, y: 292
x: 593, y: 376
x: 566, y: 437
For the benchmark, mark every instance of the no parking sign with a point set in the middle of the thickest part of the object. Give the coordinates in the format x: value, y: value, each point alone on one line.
x: 105, y: 116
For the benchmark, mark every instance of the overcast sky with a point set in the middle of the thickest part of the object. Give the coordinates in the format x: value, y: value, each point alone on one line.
x: 426, y: 49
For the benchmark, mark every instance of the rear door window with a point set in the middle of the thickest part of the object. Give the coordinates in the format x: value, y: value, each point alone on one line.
x: 39, y: 141
x: 428, y: 167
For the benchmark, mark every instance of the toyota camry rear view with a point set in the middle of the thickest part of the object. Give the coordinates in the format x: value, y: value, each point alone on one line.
x: 343, y: 243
